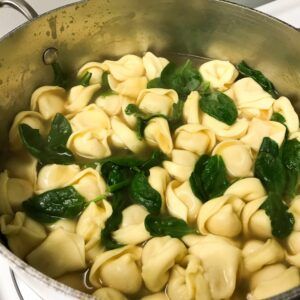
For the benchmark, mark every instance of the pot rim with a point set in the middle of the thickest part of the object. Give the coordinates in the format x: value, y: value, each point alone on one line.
x: 15, y: 261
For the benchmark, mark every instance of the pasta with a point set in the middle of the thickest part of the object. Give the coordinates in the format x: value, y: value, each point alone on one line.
x: 146, y: 179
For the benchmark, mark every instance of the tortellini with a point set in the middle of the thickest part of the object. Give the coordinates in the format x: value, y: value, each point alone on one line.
x: 195, y: 138
x: 157, y: 134
x: 14, y: 192
x: 132, y: 230
x: 191, y: 111
x: 65, y: 224
x: 258, y: 129
x: 92, y: 220
x: 285, y: 108
x: 255, y: 220
x: 111, y: 104
x: 48, y: 100
x: 31, y: 118
x: 241, y: 165
x: 159, y: 255
x: 23, y: 234
x: 187, y: 281
x: 153, y: 65
x: 220, y: 74
x: 156, y: 296
x: 181, y: 201
x: 108, y: 294
x: 220, y: 260
x: 273, y: 280
x: 158, y: 180
x: 91, y: 117
x: 251, y: 99
x: 118, y: 269
x: 79, y: 96
x: 257, y: 254
x: 221, y: 216
x: 95, y: 69
x: 60, y: 253
x: 182, y: 164
x: 224, y: 131
x: 89, y: 144
x: 55, y: 176
x: 88, y: 183
x: 293, y: 249
x: 157, y: 101
x: 125, y: 137
x: 247, y: 189
x: 22, y: 166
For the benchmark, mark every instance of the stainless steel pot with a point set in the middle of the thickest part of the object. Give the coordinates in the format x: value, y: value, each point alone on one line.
x: 94, y: 29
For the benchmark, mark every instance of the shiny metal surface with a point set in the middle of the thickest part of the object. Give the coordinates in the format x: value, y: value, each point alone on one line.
x: 22, y: 6
x: 94, y: 29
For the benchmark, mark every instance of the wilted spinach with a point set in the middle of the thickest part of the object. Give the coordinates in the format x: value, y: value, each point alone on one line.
x: 270, y: 169
x: 105, y: 89
x: 142, y: 193
x: 60, y: 78
x: 85, y: 79
x: 277, y: 117
x: 291, y: 161
x: 52, y: 150
x: 259, y: 77
x: 53, y: 205
x: 219, y: 106
x: 158, y: 225
x: 209, y: 179
x: 183, y: 79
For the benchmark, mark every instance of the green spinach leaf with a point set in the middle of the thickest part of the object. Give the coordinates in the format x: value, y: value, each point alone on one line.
x: 270, y: 169
x: 166, y: 225
x: 105, y: 89
x: 291, y: 162
x: 85, y: 79
x: 52, y: 150
x: 259, y: 77
x: 155, y: 83
x: 60, y: 78
x: 54, y: 205
x: 277, y: 117
x: 282, y: 221
x: 209, y: 179
x: 220, y: 107
x: 183, y: 79
x: 142, y: 193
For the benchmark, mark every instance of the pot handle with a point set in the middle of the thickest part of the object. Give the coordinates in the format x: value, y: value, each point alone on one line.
x: 22, y: 6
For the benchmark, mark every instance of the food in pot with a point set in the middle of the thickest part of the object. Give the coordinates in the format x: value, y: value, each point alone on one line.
x: 151, y: 180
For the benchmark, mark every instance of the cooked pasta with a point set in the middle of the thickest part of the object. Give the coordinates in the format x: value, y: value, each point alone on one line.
x: 157, y: 181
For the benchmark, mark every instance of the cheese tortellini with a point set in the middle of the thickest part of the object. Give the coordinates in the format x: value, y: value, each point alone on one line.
x: 129, y: 185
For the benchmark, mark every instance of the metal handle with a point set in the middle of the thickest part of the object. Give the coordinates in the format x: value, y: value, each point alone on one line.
x: 22, y: 6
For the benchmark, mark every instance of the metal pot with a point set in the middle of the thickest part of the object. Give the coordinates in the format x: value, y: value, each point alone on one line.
x: 95, y: 29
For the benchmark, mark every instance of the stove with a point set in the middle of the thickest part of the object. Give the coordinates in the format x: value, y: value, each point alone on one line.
x: 11, y: 287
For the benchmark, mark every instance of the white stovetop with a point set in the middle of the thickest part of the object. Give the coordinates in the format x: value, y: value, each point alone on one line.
x: 287, y: 10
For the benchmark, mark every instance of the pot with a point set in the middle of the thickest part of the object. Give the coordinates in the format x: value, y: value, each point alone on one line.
x: 97, y: 29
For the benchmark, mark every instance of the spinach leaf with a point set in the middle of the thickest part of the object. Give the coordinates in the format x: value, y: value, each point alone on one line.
x: 60, y: 78
x: 156, y: 158
x: 259, y: 77
x: 166, y: 225
x: 85, y: 79
x: 118, y: 203
x: 60, y: 131
x: 105, y: 89
x: 183, y: 79
x: 142, y: 193
x: 209, y: 180
x: 282, y: 221
x: 291, y: 162
x: 155, y: 83
x: 270, y: 169
x: 277, y: 117
x: 55, y: 204
x: 220, y: 107
x: 52, y: 150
